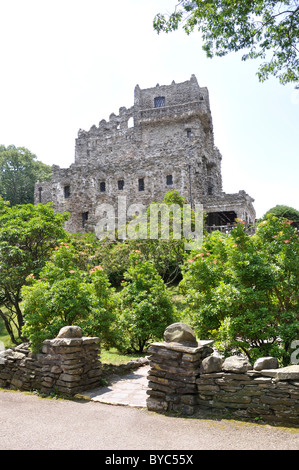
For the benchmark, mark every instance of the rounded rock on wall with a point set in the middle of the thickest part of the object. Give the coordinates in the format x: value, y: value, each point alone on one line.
x: 180, y: 333
x: 70, y: 332
x: 268, y: 362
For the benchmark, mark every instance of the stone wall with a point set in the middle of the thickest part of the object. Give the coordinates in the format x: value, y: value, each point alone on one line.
x: 66, y: 365
x: 174, y: 370
x: 172, y: 377
x: 189, y: 378
x: 240, y: 390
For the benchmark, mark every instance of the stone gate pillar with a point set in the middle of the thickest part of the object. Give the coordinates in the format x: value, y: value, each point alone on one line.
x: 174, y: 368
x: 70, y: 362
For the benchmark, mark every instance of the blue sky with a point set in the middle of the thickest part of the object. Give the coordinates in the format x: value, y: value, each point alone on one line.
x: 67, y: 64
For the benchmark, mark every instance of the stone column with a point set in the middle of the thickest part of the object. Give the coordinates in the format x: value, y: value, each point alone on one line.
x: 70, y: 362
x: 174, y: 368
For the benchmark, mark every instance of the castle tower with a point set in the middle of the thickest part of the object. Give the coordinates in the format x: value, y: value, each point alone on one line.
x: 164, y: 141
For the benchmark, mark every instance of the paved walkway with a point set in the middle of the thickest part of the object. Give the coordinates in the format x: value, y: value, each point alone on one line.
x: 129, y: 390
x: 28, y: 422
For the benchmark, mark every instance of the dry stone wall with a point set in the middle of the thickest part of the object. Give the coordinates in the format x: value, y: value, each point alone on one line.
x: 172, y: 377
x: 245, y: 392
x: 190, y: 378
x: 66, y: 365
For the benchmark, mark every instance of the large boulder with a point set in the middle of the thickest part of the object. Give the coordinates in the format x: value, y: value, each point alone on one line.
x: 211, y: 364
x: 266, y: 363
x: 70, y: 332
x: 236, y: 364
x: 180, y: 333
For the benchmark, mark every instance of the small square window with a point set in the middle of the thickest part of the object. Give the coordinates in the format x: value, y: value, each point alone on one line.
x: 159, y: 101
x: 102, y: 186
x: 141, y: 184
x: 169, y: 180
x: 120, y: 184
x: 67, y: 192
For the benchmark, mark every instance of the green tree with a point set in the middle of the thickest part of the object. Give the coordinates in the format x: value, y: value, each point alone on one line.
x: 285, y: 212
x: 243, y: 289
x: 265, y: 29
x: 64, y: 295
x: 28, y: 234
x: 146, y: 308
x: 19, y: 171
x: 166, y: 251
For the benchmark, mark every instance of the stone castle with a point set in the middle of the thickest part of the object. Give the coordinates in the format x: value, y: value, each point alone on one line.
x: 164, y: 141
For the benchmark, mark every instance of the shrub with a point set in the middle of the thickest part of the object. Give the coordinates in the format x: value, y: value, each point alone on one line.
x: 65, y: 295
x: 242, y: 289
x: 146, y: 308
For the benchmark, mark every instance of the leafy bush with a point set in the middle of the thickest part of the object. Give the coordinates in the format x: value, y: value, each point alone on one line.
x: 242, y: 290
x: 65, y: 295
x: 285, y: 212
x: 145, y: 305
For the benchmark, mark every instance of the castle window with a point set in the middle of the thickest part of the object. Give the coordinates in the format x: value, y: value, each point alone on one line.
x: 159, y: 101
x: 67, y: 192
x: 169, y: 180
x: 120, y: 184
x: 84, y: 218
x: 141, y: 184
x: 188, y: 133
x: 102, y: 186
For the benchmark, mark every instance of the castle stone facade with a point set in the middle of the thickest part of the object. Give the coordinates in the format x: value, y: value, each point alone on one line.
x: 164, y: 141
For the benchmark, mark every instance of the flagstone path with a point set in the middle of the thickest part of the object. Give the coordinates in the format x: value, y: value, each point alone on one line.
x: 128, y: 390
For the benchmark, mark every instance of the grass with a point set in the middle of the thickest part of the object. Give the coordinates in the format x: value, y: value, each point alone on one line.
x: 116, y: 358
x: 4, y: 336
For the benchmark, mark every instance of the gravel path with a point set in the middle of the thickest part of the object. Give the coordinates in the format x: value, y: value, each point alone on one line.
x: 28, y: 422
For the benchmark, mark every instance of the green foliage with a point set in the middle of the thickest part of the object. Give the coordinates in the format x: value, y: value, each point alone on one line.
x: 167, y: 254
x: 285, y: 212
x: 243, y: 290
x: 66, y: 295
x: 28, y: 234
x: 146, y: 308
x: 19, y: 171
x: 266, y: 29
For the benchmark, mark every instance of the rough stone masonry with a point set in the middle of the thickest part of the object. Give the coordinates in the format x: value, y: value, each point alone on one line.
x: 65, y: 365
x: 164, y: 141
x: 186, y: 376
